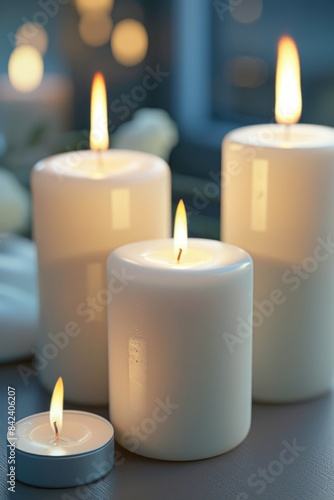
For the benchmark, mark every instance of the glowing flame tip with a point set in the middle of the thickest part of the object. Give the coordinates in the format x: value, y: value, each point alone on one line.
x: 288, y: 106
x: 99, y: 137
x: 180, y: 231
x: 56, y: 406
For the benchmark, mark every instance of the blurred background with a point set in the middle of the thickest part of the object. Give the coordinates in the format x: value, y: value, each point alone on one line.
x: 209, y: 64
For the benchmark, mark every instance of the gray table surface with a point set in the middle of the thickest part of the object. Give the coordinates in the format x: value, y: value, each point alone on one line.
x: 253, y: 470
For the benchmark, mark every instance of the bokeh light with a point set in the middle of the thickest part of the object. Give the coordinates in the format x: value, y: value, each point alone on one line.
x: 25, y: 68
x: 95, y: 29
x: 129, y: 42
x: 34, y: 35
x: 247, y: 12
x: 100, y: 6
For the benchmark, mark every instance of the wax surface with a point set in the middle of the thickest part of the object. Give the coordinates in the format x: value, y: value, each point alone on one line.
x: 82, y: 432
x: 118, y: 165
x: 204, y: 256
x: 302, y: 136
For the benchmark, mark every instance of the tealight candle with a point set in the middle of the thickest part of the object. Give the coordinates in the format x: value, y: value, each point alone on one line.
x: 177, y: 391
x: 277, y: 203
x: 85, y: 204
x: 59, y: 449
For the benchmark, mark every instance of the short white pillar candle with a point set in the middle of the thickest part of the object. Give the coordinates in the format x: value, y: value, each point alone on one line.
x: 177, y: 389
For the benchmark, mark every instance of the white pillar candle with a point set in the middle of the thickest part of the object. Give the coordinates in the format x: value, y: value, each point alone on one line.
x: 177, y: 391
x: 77, y: 222
x: 86, y: 204
x: 278, y: 204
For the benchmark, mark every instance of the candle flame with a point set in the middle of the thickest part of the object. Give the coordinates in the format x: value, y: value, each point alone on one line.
x: 56, y: 406
x: 180, y: 231
x: 288, y: 105
x: 99, y: 137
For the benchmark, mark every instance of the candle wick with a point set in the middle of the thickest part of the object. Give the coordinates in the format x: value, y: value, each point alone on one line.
x: 179, y: 255
x: 100, y: 158
x: 56, y: 431
x: 287, y: 132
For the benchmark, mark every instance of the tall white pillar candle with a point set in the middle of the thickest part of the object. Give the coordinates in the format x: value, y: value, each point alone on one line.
x: 278, y: 204
x: 178, y: 391
x: 86, y: 204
